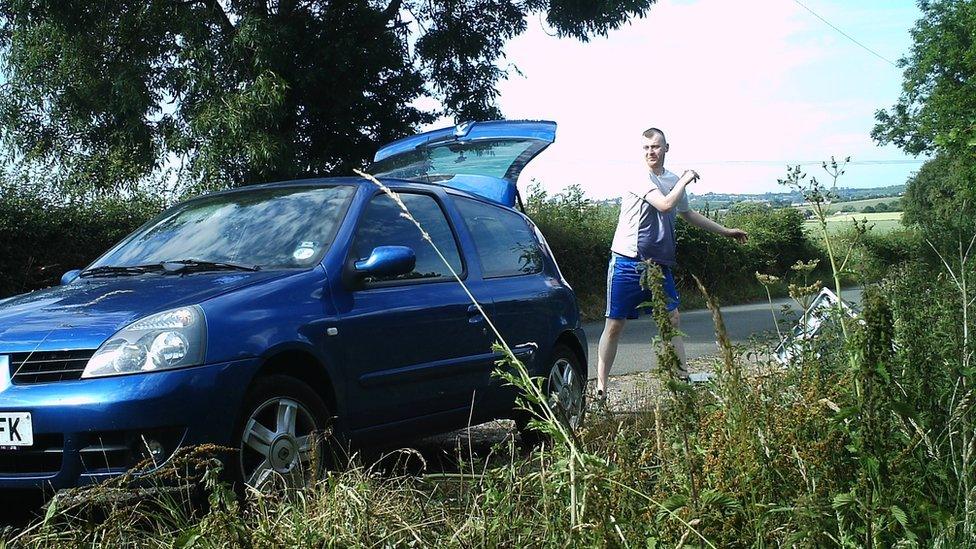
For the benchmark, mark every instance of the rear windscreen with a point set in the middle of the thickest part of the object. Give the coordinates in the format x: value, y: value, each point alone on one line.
x: 493, y: 158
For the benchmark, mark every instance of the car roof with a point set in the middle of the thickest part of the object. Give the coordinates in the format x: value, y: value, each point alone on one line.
x: 351, y: 181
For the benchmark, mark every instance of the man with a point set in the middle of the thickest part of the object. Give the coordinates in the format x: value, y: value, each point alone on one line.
x: 645, y: 234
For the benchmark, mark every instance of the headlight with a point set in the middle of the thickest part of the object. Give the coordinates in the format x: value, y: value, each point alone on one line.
x: 171, y: 339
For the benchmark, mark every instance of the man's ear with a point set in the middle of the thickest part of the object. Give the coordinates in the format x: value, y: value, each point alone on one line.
x: 667, y: 147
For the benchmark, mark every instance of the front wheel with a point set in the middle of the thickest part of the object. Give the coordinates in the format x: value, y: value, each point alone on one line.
x: 282, y: 434
x: 565, y: 393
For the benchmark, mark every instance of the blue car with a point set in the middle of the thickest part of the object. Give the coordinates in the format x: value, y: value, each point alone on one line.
x: 258, y: 318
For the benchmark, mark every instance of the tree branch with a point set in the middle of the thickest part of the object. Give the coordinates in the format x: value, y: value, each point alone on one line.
x: 393, y: 10
x: 225, y: 25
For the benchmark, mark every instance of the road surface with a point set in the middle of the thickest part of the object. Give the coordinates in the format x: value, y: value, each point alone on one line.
x: 741, y: 321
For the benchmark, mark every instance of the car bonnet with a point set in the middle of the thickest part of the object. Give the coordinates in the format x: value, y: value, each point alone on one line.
x: 85, y: 313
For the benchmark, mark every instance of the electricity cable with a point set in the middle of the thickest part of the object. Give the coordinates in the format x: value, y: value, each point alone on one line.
x: 804, y: 162
x: 849, y: 37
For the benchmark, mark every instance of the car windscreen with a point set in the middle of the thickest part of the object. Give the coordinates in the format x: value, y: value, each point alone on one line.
x: 289, y: 227
x: 436, y: 162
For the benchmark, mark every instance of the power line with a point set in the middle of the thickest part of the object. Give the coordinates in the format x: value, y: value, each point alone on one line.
x: 802, y: 162
x: 849, y: 37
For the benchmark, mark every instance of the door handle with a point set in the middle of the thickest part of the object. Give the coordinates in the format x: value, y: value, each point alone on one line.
x: 474, y: 315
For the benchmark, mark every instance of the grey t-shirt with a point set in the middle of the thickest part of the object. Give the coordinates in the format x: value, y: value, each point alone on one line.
x: 642, y: 231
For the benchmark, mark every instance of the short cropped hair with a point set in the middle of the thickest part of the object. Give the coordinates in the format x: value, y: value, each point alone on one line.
x: 650, y: 132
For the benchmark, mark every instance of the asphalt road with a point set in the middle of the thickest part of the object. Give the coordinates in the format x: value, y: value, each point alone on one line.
x: 741, y: 321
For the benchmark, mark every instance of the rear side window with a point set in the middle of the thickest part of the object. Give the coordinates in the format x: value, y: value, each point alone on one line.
x: 382, y: 225
x: 503, y: 238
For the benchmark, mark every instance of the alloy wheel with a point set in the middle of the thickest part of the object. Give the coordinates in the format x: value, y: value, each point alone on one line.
x: 566, y: 393
x: 279, y: 445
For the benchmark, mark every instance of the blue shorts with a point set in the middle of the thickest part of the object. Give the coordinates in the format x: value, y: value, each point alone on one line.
x: 624, y: 292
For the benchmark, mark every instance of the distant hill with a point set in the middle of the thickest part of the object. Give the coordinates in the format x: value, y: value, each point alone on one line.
x: 716, y: 201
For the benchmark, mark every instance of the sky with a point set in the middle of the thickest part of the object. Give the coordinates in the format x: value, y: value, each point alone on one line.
x: 740, y: 88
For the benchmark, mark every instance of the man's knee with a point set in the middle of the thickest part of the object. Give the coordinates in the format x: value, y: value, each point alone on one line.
x: 675, y: 318
x: 613, y: 328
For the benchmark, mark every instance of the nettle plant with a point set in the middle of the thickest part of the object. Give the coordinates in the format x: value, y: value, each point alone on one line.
x: 820, y: 196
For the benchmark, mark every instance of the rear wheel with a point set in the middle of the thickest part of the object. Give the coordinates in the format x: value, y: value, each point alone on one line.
x: 565, y: 394
x: 282, y: 433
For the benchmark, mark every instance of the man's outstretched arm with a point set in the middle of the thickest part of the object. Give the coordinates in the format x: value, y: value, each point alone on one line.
x: 698, y: 220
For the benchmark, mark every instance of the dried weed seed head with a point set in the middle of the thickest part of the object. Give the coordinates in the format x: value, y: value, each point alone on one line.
x: 766, y: 280
x: 805, y: 267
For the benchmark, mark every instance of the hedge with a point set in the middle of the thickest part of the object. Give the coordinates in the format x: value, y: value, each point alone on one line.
x: 42, y: 236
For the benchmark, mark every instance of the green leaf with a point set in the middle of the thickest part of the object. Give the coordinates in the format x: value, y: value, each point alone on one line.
x: 720, y: 500
x: 52, y: 509
x: 671, y: 504
x: 188, y: 539
x: 903, y: 409
x: 843, y: 501
x: 899, y: 515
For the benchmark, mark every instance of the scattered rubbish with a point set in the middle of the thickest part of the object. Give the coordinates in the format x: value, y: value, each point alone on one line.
x: 810, y: 324
x: 701, y: 377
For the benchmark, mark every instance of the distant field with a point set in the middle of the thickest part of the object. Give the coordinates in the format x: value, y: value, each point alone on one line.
x: 883, y: 222
x: 857, y: 204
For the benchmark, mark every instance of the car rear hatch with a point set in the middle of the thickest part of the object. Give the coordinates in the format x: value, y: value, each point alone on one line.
x: 483, y: 158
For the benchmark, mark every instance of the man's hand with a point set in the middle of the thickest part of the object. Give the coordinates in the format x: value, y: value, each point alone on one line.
x: 690, y: 176
x: 738, y: 235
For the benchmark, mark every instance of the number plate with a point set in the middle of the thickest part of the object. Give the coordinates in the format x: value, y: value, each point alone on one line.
x: 16, y: 429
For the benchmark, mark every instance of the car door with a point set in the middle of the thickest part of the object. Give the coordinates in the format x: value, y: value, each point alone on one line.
x: 408, y: 337
x: 512, y: 268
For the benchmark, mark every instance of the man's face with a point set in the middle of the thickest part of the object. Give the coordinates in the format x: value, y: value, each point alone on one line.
x: 654, y: 150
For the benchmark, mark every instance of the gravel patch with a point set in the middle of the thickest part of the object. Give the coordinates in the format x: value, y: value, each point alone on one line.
x: 626, y: 394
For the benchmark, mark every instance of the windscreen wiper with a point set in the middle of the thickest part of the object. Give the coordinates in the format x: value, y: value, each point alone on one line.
x: 196, y: 265
x: 119, y: 270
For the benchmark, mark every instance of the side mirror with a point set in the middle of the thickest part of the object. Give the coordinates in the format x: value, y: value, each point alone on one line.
x: 70, y: 276
x: 386, y: 261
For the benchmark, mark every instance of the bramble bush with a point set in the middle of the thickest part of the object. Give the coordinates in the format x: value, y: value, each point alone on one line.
x: 776, y: 242
x: 579, y: 231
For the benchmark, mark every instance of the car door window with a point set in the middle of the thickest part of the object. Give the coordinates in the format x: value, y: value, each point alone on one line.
x: 383, y: 225
x: 505, y: 243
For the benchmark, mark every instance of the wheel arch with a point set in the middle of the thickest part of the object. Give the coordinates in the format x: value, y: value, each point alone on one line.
x: 570, y: 340
x: 305, y: 365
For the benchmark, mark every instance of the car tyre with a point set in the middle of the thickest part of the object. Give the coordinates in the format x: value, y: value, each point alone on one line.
x: 565, y: 387
x: 281, y: 435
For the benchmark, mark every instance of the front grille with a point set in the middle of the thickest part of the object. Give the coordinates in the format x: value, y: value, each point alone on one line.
x: 48, y: 366
x: 107, y: 451
x: 115, y: 451
x: 43, y: 457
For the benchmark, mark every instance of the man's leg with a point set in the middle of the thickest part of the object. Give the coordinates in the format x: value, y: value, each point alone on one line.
x: 674, y: 301
x: 608, y: 351
x: 679, y: 344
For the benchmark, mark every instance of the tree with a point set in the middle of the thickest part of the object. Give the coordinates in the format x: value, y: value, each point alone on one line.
x: 936, y: 113
x: 937, y: 108
x: 941, y: 201
x: 105, y: 93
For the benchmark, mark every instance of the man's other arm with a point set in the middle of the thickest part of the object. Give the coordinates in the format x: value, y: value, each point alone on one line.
x: 698, y: 220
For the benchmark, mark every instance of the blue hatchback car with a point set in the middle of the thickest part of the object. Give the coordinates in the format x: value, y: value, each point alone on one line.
x: 259, y: 317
